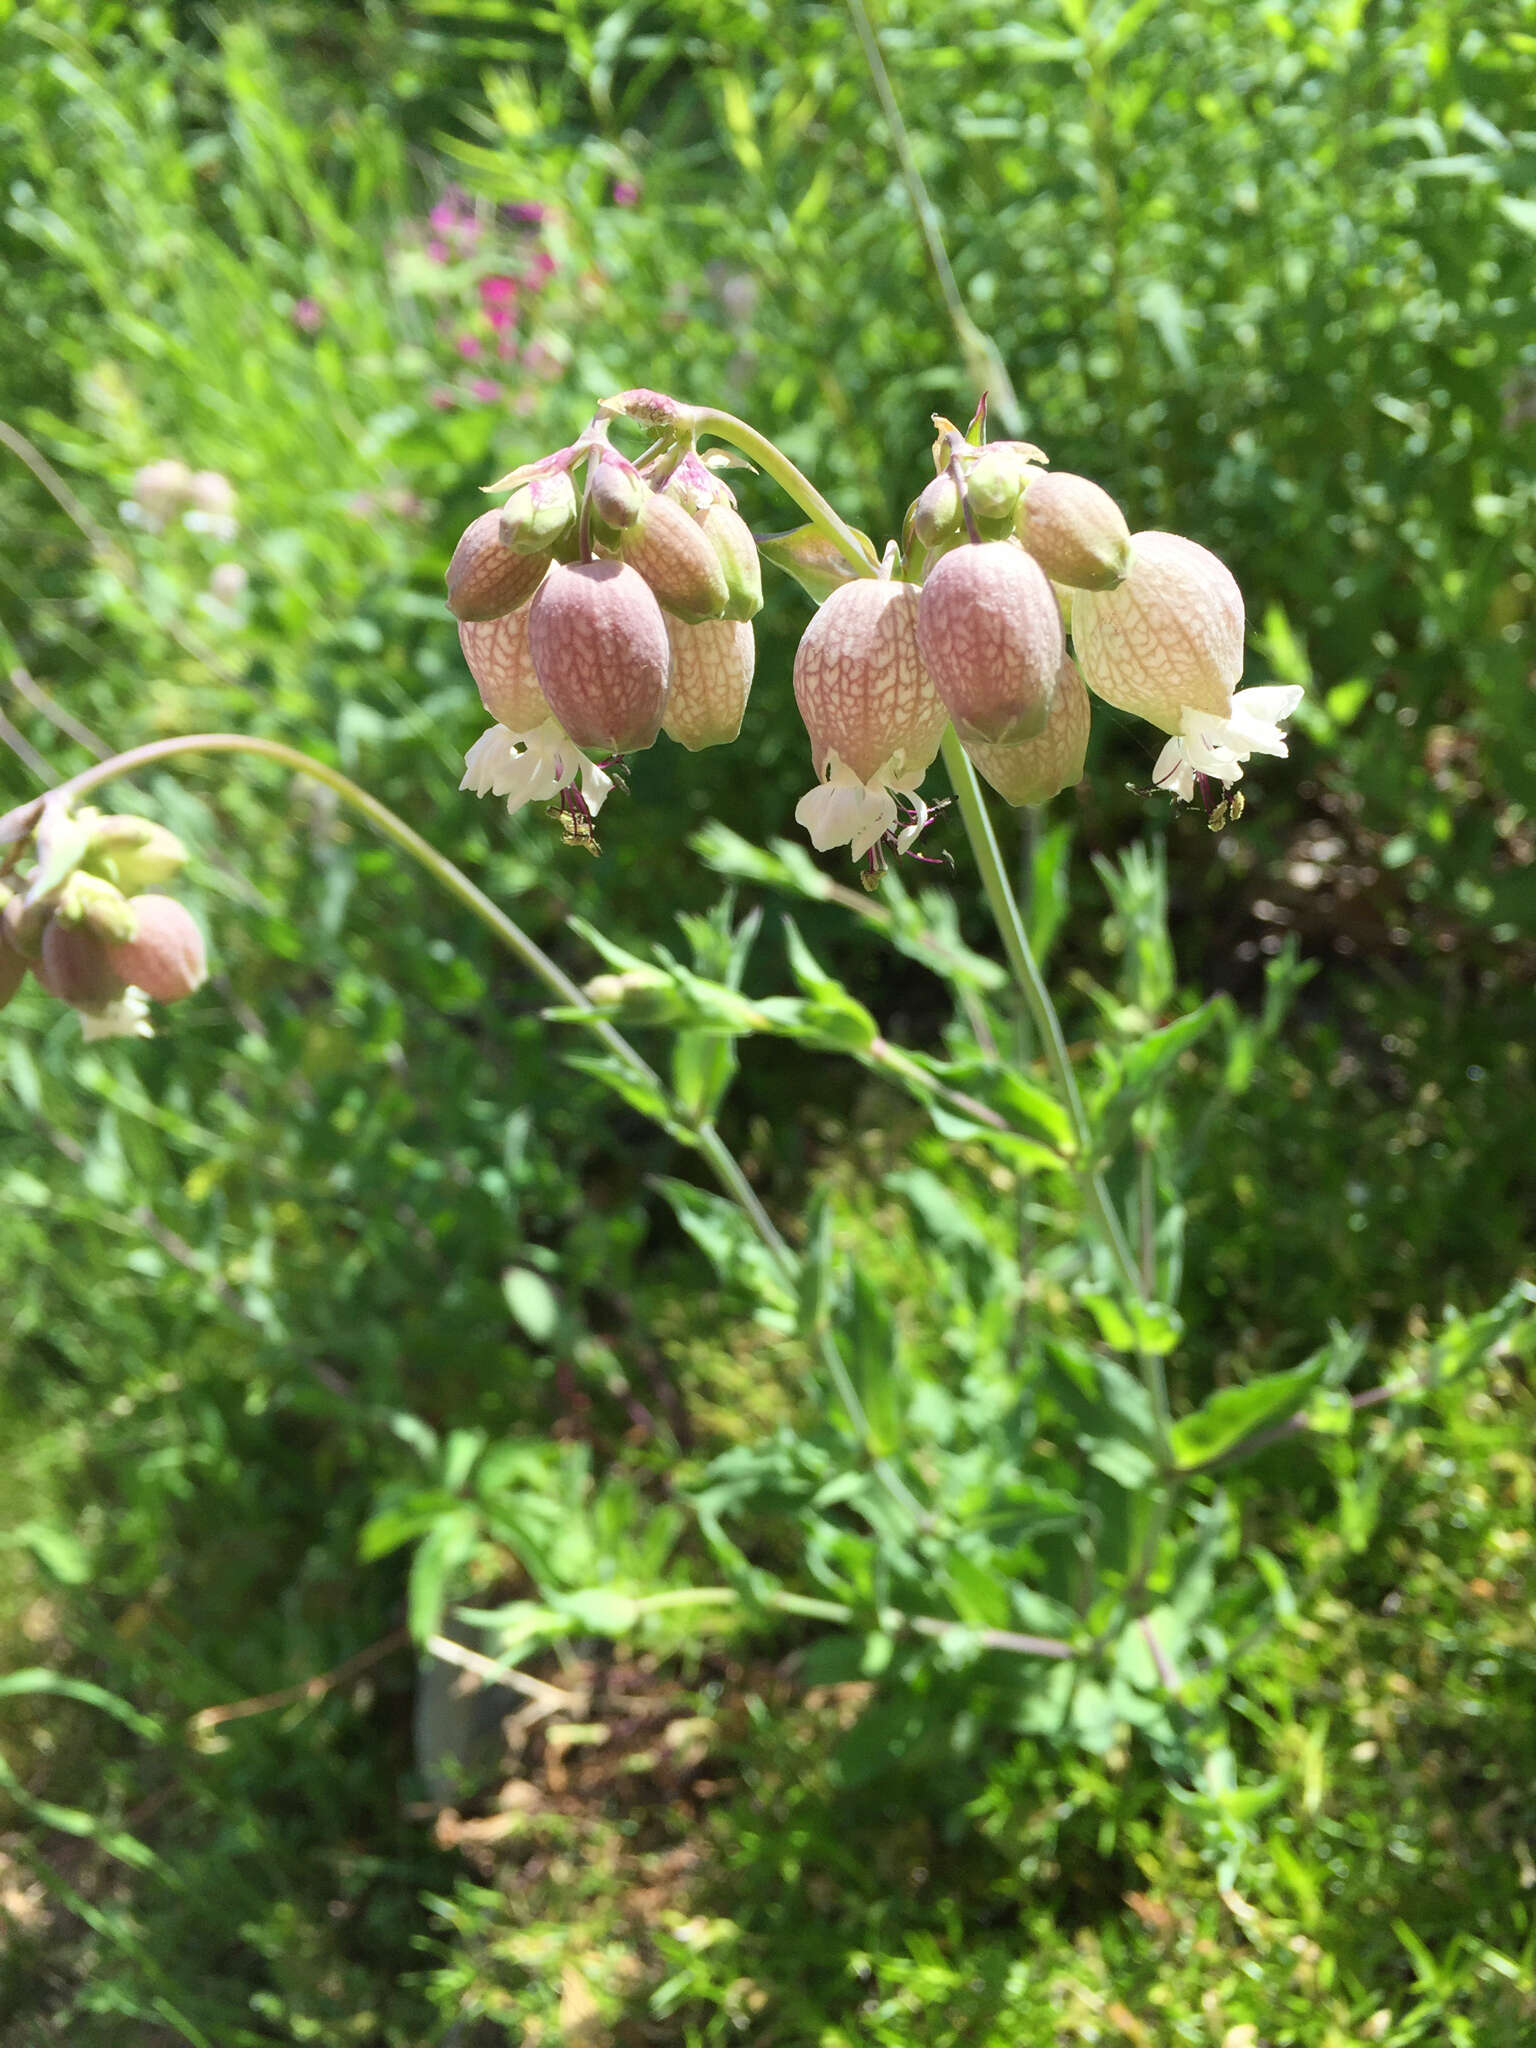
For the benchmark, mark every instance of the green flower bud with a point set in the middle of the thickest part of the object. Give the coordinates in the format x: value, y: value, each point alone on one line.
x: 994, y: 482
x: 731, y: 538
x: 936, y: 516
x: 134, y: 853
x: 96, y: 905
x: 617, y: 492
x: 540, y: 515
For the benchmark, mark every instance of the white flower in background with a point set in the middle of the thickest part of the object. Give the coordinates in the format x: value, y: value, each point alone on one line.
x: 228, y: 582
x: 160, y: 489
x: 213, y: 505
x: 532, y: 767
x: 127, y: 1017
x: 1218, y: 747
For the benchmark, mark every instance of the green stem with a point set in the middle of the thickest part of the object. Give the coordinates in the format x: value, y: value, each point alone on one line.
x: 794, y: 483
x: 722, y: 1161
x: 982, y: 360
x: 1026, y: 972
x: 384, y: 821
x: 891, y: 1620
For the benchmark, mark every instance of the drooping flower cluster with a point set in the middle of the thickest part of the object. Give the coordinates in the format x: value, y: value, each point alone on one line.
x: 79, y: 909
x: 609, y: 600
x: 604, y: 603
x: 1005, y: 561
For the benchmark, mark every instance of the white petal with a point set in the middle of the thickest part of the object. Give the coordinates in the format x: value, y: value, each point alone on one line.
x: 830, y: 813
x: 128, y: 1017
x: 595, y: 785
x: 1205, y: 742
x: 906, y: 838
x: 877, y: 816
x: 490, y: 756
x: 1174, y: 772
x: 1271, y: 702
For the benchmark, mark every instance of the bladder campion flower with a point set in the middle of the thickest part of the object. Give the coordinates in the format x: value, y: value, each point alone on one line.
x: 1167, y: 644
x: 874, y: 718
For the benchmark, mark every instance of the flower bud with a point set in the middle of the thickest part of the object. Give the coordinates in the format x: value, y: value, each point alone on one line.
x: 712, y: 667
x: 540, y: 516
x: 936, y: 516
x: 1033, y: 771
x: 731, y: 538
x: 861, y: 685
x: 991, y: 637
x: 501, y: 662
x: 1075, y: 531
x: 165, y: 957
x: 90, y: 901
x: 74, y: 966
x: 694, y: 486
x: 673, y: 554
x: 617, y: 491
x: 485, y: 578
x: 21, y: 927
x: 1167, y: 639
x: 134, y: 852
x: 600, y: 651
x: 13, y: 970
x: 994, y: 482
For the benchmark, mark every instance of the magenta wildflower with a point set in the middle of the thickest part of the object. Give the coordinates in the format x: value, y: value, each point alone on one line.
x: 485, y: 389
x: 469, y: 346
x: 497, y: 291
x: 625, y: 192
x: 307, y: 315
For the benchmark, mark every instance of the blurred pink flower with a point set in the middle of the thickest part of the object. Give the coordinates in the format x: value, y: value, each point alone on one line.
x: 444, y: 400
x: 437, y: 250
x: 506, y: 348
x: 497, y: 291
x: 501, y: 320
x: 524, y: 213
x: 543, y: 266
x: 625, y: 192
x: 486, y: 388
x: 307, y: 315
x: 469, y: 346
